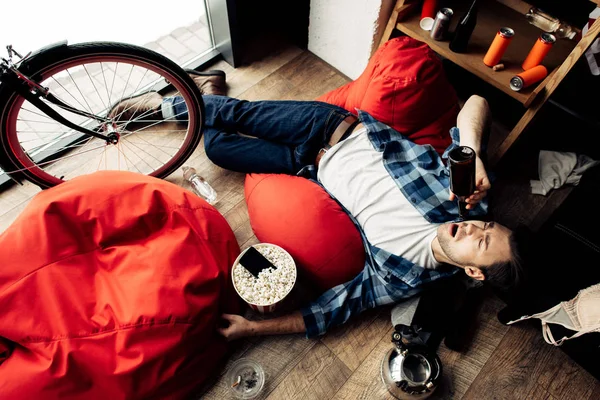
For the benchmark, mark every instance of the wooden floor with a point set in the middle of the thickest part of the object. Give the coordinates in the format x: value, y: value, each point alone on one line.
x: 500, y: 363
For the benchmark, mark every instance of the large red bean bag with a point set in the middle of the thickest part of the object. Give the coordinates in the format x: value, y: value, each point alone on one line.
x: 299, y: 216
x: 404, y: 86
x: 110, y: 288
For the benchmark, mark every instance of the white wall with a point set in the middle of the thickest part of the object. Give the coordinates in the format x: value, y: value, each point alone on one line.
x: 343, y: 32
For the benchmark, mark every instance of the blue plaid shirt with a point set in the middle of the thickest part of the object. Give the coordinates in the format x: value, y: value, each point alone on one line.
x: 423, y: 178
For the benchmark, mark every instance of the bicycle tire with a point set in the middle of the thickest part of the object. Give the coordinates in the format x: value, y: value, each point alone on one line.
x: 24, y: 167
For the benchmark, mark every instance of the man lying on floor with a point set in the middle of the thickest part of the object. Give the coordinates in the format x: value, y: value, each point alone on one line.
x: 397, y: 192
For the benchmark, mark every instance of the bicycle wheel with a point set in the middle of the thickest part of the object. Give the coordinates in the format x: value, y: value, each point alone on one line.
x: 93, y: 77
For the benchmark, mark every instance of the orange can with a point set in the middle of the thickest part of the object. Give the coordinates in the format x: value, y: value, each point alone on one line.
x: 528, y: 78
x: 539, y: 50
x: 498, y: 46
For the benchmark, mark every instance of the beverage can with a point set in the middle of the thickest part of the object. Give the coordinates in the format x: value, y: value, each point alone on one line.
x: 539, y: 50
x: 528, y: 78
x: 427, y: 14
x: 441, y: 24
x: 498, y: 46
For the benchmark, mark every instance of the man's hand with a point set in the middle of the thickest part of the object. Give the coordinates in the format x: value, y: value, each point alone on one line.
x: 482, y: 185
x: 238, y: 327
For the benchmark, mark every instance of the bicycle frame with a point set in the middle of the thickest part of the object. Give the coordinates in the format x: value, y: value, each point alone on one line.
x: 12, y: 79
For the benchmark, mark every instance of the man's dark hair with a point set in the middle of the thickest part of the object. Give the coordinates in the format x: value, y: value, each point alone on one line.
x: 506, y: 276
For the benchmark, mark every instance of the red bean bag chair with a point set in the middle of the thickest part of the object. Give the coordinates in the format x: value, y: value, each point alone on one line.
x: 404, y: 86
x: 299, y: 216
x: 110, y: 288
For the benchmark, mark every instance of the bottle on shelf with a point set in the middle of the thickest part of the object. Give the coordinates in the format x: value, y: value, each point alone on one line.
x: 464, y: 30
x: 548, y: 23
x: 199, y: 185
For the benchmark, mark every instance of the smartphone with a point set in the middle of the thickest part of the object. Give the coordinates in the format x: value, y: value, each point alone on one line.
x: 255, y: 262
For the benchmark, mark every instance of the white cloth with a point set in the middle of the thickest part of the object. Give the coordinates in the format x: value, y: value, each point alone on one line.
x: 558, y: 168
x: 353, y: 172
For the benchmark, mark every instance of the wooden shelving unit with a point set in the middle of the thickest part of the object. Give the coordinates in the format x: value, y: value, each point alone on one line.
x: 491, y: 16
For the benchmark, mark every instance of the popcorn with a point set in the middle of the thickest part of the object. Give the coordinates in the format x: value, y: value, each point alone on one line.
x: 272, y: 284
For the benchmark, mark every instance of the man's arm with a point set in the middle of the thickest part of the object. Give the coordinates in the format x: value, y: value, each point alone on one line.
x: 239, y: 327
x: 473, y: 122
x: 332, y: 308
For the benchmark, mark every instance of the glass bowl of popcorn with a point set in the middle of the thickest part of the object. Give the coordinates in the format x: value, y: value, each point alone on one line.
x: 271, y: 287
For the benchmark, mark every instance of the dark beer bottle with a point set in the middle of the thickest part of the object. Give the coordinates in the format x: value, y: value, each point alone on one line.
x: 464, y: 29
x: 462, y: 175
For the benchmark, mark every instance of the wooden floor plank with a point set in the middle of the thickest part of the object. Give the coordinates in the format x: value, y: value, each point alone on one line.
x: 304, y: 78
x: 365, y: 383
x: 522, y: 361
x: 318, y: 376
x: 462, y: 368
x: 596, y: 393
x: 355, y: 340
x: 277, y: 356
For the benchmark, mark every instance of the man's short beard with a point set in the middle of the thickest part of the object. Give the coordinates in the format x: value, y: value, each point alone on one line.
x: 446, y: 248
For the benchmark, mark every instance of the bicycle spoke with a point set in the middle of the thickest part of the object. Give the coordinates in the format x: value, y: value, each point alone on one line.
x: 105, y: 84
x: 154, y: 124
x: 138, y: 147
x: 134, y: 93
x: 69, y: 93
x: 145, y: 162
x: 126, y: 83
x: 139, y: 118
x: 73, y: 146
x: 36, y: 113
x: 124, y: 156
x: 57, y: 159
x: 137, y: 105
x: 113, y: 82
x: 166, y: 147
x: 77, y: 86
x: 93, y: 84
x: 100, y: 161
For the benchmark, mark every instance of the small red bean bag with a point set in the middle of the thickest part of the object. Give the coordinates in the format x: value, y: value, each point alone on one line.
x: 111, y: 286
x: 299, y: 216
x: 404, y: 86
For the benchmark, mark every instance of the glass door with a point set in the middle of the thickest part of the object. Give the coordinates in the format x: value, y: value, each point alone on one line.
x: 189, y: 32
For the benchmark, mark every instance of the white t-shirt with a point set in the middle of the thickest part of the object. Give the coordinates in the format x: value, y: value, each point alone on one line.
x: 353, y: 172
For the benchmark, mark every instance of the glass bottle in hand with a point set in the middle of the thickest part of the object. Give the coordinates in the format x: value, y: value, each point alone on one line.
x: 199, y: 185
x: 464, y: 30
x: 462, y: 175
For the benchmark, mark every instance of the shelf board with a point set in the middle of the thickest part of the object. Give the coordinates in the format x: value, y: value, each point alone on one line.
x: 492, y: 16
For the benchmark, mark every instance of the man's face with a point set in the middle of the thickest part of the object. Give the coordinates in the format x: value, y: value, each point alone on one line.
x: 475, y: 243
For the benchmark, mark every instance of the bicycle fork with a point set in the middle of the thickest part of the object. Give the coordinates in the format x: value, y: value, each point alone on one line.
x: 33, y: 92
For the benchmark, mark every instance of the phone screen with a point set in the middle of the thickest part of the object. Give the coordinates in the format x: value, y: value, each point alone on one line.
x: 255, y: 262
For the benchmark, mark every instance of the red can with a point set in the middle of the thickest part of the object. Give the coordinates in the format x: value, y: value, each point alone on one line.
x: 428, y: 14
x: 498, y: 46
x: 539, y: 50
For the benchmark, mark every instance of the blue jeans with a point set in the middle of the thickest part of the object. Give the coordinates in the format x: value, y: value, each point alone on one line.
x: 285, y: 135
